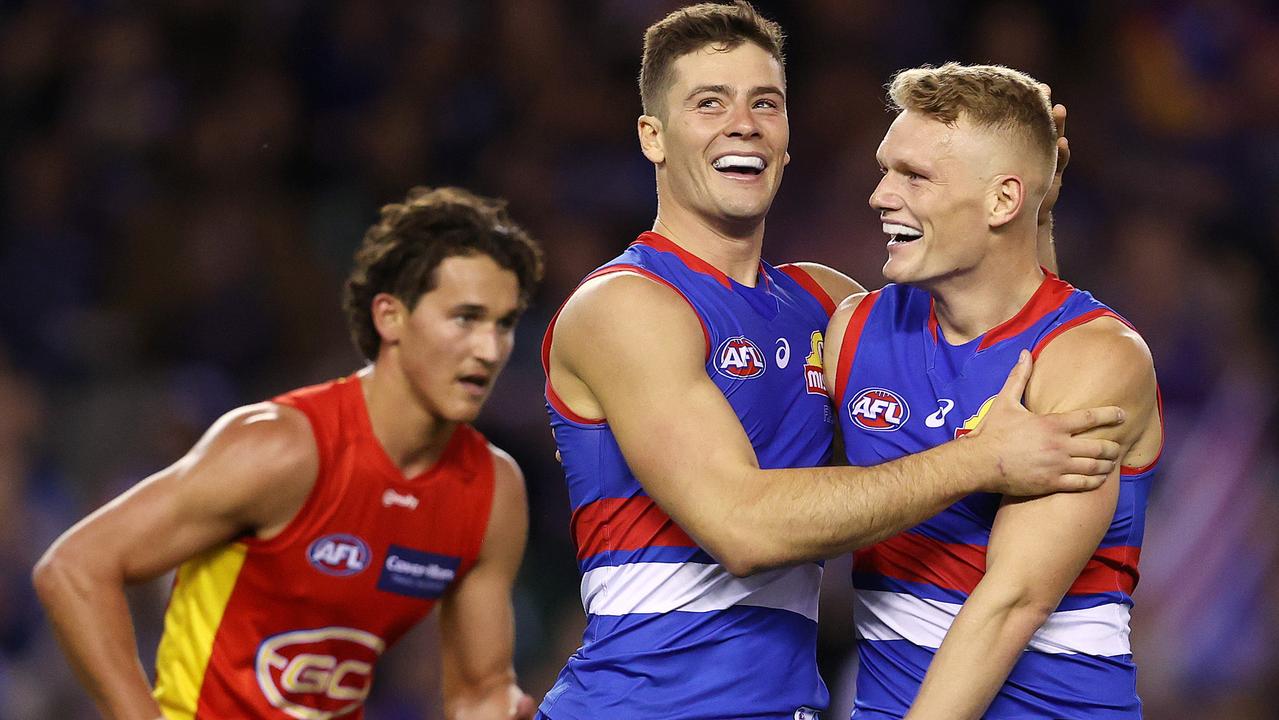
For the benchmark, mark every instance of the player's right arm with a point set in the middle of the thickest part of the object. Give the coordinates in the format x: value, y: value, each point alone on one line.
x: 250, y: 472
x: 632, y: 351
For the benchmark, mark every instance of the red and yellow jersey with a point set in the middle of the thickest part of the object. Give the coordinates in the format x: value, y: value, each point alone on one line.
x: 291, y: 626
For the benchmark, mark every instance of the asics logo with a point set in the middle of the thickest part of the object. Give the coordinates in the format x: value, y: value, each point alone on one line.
x: 938, y: 418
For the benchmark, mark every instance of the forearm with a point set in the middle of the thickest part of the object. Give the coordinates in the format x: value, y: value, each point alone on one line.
x: 980, y: 649
x: 91, y: 621
x: 805, y: 514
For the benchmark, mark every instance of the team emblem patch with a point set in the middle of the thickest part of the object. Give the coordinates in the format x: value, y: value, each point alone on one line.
x: 878, y: 409
x: 974, y: 422
x: 739, y: 358
x: 339, y: 554
x: 318, y: 674
x: 814, y: 374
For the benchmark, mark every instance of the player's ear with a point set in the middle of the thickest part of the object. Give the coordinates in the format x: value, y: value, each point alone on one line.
x: 389, y: 316
x: 649, y: 128
x: 1006, y: 200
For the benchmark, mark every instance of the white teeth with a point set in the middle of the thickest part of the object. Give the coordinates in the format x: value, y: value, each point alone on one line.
x: 738, y: 161
x: 901, y: 230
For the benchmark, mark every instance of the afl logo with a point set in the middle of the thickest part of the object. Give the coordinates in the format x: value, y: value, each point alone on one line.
x: 739, y: 358
x: 878, y: 409
x: 339, y: 554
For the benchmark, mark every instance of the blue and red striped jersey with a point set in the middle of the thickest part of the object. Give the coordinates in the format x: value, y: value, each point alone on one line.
x: 902, y: 388
x: 670, y: 633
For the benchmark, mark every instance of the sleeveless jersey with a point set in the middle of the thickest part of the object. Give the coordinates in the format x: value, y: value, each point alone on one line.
x: 901, y: 389
x: 291, y: 627
x: 670, y: 633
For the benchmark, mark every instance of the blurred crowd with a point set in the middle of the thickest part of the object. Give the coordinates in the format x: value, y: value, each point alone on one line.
x: 182, y: 184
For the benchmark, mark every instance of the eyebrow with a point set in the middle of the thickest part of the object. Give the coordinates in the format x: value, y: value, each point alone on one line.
x: 727, y: 90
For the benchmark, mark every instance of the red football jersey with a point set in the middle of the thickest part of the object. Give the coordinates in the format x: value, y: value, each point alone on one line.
x: 291, y: 627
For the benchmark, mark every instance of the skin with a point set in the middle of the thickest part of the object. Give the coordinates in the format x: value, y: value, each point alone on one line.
x: 677, y: 431
x: 253, y: 470
x: 975, y: 198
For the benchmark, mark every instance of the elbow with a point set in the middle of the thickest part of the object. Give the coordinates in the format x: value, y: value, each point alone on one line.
x: 743, y: 557
x: 50, y: 576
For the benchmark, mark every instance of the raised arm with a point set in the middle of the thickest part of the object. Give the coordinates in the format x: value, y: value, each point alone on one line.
x: 1038, y: 546
x: 687, y: 448
x: 249, y: 472
x: 477, y: 623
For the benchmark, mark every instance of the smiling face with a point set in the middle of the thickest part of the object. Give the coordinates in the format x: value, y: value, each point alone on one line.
x: 456, y: 339
x: 721, y: 149
x: 934, y: 199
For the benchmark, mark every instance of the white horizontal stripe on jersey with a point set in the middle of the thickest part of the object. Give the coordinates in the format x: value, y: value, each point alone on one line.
x: 649, y: 587
x: 1101, y: 630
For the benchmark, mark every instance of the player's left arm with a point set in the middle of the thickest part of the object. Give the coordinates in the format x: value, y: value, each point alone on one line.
x: 837, y: 285
x: 1039, y: 546
x: 1047, y: 248
x: 477, y: 622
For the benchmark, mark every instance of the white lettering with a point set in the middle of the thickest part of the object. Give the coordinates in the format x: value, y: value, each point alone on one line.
x: 434, y: 571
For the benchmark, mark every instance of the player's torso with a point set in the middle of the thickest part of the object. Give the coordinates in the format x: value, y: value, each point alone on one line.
x: 292, y: 626
x: 906, y: 390
x: 670, y: 633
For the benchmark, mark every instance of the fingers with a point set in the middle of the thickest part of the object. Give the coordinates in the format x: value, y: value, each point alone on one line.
x: 1059, y: 119
x: 1100, y: 448
x: 1090, y: 466
x: 1077, y: 421
x: 1015, y: 385
x: 1079, y: 483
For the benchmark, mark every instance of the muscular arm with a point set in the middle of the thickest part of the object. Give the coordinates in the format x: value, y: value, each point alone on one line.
x: 250, y: 471
x: 686, y: 446
x: 1038, y: 546
x: 476, y: 620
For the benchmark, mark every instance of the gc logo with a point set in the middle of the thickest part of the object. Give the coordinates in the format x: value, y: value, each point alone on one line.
x: 318, y: 674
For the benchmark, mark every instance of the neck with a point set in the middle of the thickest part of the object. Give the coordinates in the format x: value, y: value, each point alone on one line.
x: 970, y: 304
x: 732, y: 248
x: 412, y: 437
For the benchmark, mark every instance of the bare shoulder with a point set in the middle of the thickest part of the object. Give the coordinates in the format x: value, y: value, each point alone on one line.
x: 836, y: 284
x: 1101, y: 362
x: 839, y: 320
x: 507, y: 476
x: 1103, y: 351
x: 258, y: 457
x: 508, y: 519
x: 607, y: 296
x: 609, y: 316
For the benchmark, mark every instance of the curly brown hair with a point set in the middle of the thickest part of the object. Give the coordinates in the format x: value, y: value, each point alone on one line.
x: 401, y: 251
x: 692, y: 28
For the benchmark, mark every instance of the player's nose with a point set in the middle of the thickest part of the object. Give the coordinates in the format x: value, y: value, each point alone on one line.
x: 741, y: 122
x: 883, y: 197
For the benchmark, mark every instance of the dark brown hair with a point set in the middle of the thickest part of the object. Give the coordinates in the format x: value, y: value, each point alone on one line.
x: 692, y: 28
x: 401, y: 251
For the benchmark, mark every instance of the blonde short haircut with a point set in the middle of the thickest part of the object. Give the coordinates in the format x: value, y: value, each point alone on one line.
x: 993, y: 97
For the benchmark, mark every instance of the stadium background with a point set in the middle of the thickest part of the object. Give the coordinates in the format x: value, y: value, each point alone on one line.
x: 183, y: 184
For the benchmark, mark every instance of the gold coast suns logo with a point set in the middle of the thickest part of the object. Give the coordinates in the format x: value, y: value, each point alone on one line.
x: 318, y: 674
x: 973, y: 422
